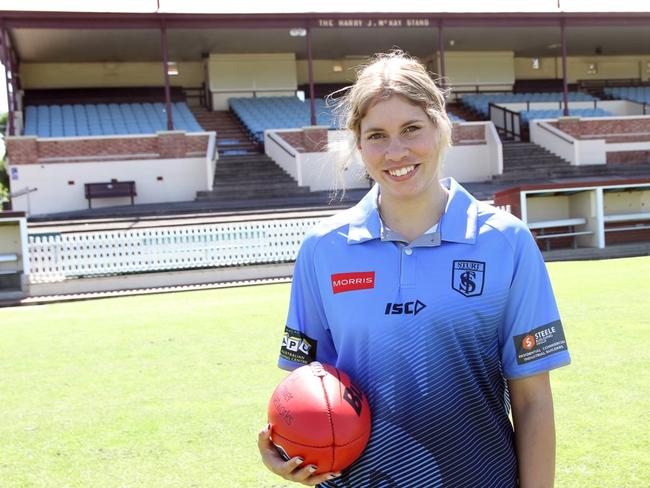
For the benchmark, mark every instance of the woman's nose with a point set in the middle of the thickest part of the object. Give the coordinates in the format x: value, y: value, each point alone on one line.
x: 396, y: 150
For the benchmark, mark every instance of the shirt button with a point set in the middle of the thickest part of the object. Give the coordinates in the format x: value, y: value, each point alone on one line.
x: 408, y: 251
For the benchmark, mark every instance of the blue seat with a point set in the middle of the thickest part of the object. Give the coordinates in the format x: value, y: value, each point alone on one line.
x: 72, y: 120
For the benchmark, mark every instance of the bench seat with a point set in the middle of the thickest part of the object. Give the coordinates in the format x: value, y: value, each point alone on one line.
x: 627, y: 217
x: 111, y: 189
x: 8, y: 258
x: 548, y: 224
x: 622, y: 218
x: 543, y: 225
x: 564, y: 234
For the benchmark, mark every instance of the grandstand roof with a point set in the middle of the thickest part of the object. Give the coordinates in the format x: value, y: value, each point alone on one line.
x: 292, y: 6
x: 41, y: 36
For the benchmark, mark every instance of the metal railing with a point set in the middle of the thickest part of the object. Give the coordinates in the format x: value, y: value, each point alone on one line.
x: 506, y: 121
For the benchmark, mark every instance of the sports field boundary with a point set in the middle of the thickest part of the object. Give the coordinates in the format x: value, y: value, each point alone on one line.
x: 152, y: 283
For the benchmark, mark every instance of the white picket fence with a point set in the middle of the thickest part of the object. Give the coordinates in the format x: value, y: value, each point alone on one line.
x: 56, y: 257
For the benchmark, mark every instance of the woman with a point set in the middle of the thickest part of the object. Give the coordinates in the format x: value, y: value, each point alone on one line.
x: 437, y: 305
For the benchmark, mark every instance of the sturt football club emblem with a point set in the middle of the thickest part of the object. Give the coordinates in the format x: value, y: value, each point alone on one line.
x: 468, y: 277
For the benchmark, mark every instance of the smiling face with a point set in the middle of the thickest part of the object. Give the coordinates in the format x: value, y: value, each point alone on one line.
x: 399, y: 146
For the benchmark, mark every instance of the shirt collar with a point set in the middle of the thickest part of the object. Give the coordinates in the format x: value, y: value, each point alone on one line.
x: 457, y: 224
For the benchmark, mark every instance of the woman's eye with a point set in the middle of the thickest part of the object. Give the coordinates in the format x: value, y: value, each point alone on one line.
x: 375, y: 136
x: 411, y: 128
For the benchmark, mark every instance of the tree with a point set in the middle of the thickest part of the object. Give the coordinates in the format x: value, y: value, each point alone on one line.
x: 4, y: 176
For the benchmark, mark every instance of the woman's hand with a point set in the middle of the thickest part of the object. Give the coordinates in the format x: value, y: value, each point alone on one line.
x: 290, y: 470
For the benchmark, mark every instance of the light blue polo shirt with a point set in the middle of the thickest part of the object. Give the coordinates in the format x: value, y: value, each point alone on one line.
x: 429, y: 331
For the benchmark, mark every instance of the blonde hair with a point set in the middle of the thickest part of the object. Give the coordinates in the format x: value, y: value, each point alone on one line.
x: 386, y: 75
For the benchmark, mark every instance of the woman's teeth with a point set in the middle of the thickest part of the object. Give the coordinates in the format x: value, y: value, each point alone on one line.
x: 401, y: 171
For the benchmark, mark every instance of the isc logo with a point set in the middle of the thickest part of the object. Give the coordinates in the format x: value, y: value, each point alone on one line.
x: 407, y: 308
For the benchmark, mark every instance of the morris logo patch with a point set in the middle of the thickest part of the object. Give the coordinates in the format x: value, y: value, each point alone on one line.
x: 468, y: 277
x: 362, y: 280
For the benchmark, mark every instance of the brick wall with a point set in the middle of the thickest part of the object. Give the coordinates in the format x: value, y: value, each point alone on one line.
x: 613, y: 130
x: 163, y: 145
x: 197, y: 143
x: 307, y: 140
x: 22, y: 150
x: 629, y: 157
x: 294, y: 139
x: 467, y: 134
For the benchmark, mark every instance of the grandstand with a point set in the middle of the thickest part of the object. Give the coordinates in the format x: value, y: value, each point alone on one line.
x: 188, y: 122
x: 214, y: 131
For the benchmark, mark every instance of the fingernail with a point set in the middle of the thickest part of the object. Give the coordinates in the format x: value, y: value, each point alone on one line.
x: 334, y: 475
x: 298, y: 460
x: 268, y: 426
x: 312, y: 468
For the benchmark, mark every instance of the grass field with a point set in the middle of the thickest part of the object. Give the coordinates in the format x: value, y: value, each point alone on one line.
x: 170, y: 390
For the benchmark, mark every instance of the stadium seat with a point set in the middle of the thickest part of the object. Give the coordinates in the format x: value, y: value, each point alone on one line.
x: 79, y: 120
x: 639, y: 94
x: 263, y: 113
x: 528, y: 115
x: 481, y: 103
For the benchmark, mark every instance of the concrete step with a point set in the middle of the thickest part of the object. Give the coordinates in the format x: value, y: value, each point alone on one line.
x: 270, y: 180
x: 261, y: 176
x: 248, y: 169
x: 242, y: 194
x: 530, y: 154
x: 228, y: 128
x: 539, y: 165
x: 252, y: 165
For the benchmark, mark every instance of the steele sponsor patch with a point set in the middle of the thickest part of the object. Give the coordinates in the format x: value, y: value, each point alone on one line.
x: 297, y: 347
x: 540, y: 342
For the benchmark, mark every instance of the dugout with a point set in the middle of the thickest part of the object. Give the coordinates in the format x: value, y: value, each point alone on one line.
x: 14, y: 255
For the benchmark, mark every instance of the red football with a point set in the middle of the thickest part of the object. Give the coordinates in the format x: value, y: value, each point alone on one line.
x: 317, y: 413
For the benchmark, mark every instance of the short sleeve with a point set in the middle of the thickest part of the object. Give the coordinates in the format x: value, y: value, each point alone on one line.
x: 307, y: 336
x: 532, y: 338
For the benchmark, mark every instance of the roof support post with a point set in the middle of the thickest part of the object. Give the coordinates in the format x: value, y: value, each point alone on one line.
x: 565, y: 76
x: 165, y: 56
x: 310, y: 74
x: 441, y: 54
x: 6, y: 62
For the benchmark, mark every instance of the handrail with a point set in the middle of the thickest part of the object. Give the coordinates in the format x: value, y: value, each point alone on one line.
x: 543, y: 126
x: 23, y: 191
x: 211, y: 158
x: 255, y: 91
x: 292, y: 154
x: 643, y: 104
x: 611, y: 83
